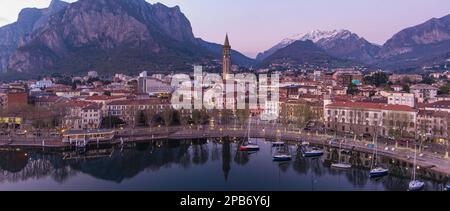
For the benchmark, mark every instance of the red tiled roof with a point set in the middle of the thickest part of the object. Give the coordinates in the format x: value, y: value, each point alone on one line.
x: 445, y: 104
x: 377, y: 106
x: 139, y: 102
x: 102, y: 97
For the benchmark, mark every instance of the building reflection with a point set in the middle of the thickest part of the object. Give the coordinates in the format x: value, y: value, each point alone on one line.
x: 226, y: 158
x: 114, y: 164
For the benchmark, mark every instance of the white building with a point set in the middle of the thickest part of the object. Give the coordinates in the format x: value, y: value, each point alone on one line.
x: 92, y: 74
x: 150, y: 85
x: 401, y: 98
x: 44, y: 83
x: 424, y: 92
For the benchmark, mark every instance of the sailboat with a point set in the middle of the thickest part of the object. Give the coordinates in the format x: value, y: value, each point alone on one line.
x: 282, y: 154
x: 248, y: 146
x: 341, y: 165
x: 415, y: 185
x: 377, y: 171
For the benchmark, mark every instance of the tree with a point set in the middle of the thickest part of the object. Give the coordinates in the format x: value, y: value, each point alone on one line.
x: 112, y: 122
x: 141, y: 119
x: 444, y: 89
x: 107, y: 93
x: 388, y: 88
x: 242, y: 115
x: 406, y: 88
x: 377, y: 79
x: 303, y: 114
x: 199, y: 117
x: 167, y: 116
x: 428, y: 80
x: 352, y: 89
x: 150, y: 115
x: 225, y: 116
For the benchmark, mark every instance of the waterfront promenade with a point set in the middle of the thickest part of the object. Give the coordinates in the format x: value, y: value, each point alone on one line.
x: 427, y: 158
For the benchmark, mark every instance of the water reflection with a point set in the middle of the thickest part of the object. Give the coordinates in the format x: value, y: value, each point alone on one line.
x: 207, y: 156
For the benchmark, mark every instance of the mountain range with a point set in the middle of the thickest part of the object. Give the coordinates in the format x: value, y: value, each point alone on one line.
x: 129, y: 36
x: 417, y: 46
x: 108, y: 36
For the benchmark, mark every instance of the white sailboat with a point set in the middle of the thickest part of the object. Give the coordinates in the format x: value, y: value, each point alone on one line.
x: 248, y: 146
x: 377, y: 171
x: 415, y: 185
x: 341, y: 165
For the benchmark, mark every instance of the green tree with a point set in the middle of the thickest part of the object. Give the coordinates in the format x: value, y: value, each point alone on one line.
x: 107, y: 93
x: 406, y: 88
x: 428, y: 80
x: 112, y: 122
x: 388, y: 88
x: 444, y: 89
x: 377, y: 79
x: 352, y: 89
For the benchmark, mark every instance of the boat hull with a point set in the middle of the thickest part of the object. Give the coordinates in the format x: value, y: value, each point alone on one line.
x: 341, y: 166
x: 416, y: 186
x: 282, y: 158
x: 378, y: 173
x: 249, y: 148
x: 312, y: 154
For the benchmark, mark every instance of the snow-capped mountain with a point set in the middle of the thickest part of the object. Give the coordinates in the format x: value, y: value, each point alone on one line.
x: 339, y: 43
x: 314, y: 36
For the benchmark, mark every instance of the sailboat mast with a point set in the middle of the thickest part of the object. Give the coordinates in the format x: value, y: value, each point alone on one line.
x: 415, y: 160
x: 249, y: 124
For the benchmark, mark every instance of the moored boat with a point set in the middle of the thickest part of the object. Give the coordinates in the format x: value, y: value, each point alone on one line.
x: 312, y: 152
x: 378, y: 172
x: 416, y: 185
x: 282, y: 157
x: 341, y: 165
x: 248, y: 145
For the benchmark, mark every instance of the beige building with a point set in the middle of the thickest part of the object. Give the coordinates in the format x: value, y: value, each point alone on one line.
x: 434, y: 124
x: 127, y: 110
x: 369, y: 118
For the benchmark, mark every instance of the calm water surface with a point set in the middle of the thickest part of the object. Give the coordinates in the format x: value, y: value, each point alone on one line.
x: 196, y: 165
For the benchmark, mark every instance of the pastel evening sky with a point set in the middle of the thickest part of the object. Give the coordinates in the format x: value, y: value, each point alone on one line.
x: 256, y: 25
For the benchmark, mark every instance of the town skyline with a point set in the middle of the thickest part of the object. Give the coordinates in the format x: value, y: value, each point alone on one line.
x: 374, y: 21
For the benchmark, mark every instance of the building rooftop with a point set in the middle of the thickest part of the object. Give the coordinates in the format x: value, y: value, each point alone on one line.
x: 375, y: 106
x: 445, y: 104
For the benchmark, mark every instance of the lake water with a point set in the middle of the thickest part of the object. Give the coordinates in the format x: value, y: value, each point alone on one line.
x: 196, y: 165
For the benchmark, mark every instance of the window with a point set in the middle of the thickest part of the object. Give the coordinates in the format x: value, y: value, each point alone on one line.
x: 367, y: 115
x: 375, y: 115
